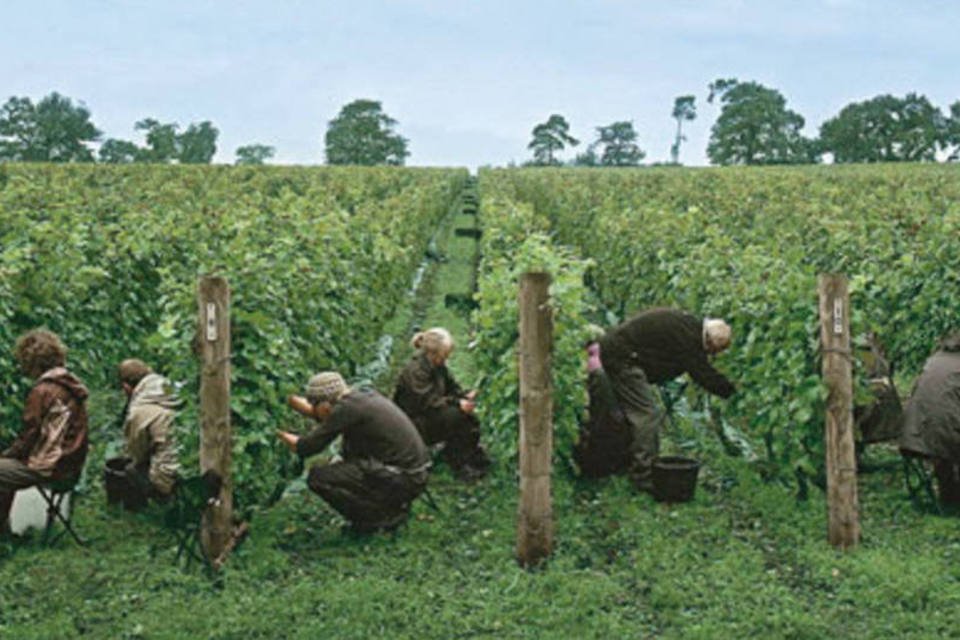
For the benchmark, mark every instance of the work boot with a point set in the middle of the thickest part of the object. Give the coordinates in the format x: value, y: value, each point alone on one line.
x: 387, y: 524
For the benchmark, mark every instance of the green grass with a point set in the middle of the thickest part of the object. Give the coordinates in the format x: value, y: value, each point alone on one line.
x: 743, y: 559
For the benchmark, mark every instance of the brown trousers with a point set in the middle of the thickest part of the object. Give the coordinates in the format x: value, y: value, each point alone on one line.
x: 14, y: 475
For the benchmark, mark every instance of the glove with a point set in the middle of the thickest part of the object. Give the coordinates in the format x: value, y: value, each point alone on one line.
x: 593, y: 357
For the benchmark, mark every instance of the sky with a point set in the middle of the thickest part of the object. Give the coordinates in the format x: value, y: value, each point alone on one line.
x: 467, y: 80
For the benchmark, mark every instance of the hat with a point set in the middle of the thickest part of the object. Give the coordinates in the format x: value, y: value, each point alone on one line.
x: 327, y: 386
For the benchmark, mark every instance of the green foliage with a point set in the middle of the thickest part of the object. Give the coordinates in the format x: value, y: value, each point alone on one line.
x: 747, y: 245
x: 618, y: 145
x: 587, y: 159
x: 684, y: 109
x: 515, y: 241
x: 953, y: 132
x: 743, y: 559
x: 198, y: 144
x: 549, y: 138
x: 362, y: 134
x: 755, y: 127
x: 108, y: 257
x: 161, y: 139
x: 114, y: 151
x: 254, y: 154
x: 885, y: 129
x: 53, y: 130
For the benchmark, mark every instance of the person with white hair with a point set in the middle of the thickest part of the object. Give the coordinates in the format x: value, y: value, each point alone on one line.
x: 385, y: 462
x: 441, y: 410
x: 652, y: 347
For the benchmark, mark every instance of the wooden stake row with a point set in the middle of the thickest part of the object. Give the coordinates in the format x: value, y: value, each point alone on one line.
x: 534, y: 518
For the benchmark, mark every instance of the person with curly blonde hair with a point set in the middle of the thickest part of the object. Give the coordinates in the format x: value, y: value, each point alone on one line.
x: 442, y: 411
x: 52, y: 446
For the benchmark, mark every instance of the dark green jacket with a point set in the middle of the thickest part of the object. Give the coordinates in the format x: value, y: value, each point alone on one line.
x: 373, y: 428
x: 424, y: 389
x: 665, y: 343
x: 932, y: 415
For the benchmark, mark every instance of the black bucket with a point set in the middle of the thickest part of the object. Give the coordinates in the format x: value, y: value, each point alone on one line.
x: 674, y: 478
x: 118, y: 488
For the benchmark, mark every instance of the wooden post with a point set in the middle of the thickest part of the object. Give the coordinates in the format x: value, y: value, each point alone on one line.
x: 842, y: 505
x: 535, y: 516
x: 213, y: 296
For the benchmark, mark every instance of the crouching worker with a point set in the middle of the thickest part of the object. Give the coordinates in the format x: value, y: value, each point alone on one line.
x: 654, y: 346
x: 52, y: 445
x: 931, y: 427
x: 440, y: 409
x: 149, y: 467
x: 385, y: 462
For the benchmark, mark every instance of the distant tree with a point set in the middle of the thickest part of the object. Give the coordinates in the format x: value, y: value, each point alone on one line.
x: 588, y: 158
x: 684, y: 109
x: 114, y: 151
x: 886, y: 129
x: 161, y: 141
x: 363, y: 134
x: 53, y: 130
x: 198, y: 144
x: 254, y: 154
x: 618, y: 145
x: 953, y: 132
x: 755, y: 126
x: 550, y: 137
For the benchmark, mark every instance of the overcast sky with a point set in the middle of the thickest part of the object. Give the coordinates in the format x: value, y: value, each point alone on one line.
x: 467, y: 81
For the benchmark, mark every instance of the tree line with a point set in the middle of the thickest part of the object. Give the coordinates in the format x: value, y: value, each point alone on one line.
x: 754, y: 127
x: 57, y: 129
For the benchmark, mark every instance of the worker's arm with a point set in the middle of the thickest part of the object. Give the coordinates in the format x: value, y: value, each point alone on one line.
x: 709, y: 378
x: 301, y: 405
x: 33, y: 411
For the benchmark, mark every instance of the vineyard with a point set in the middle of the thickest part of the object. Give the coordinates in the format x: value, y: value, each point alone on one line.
x: 109, y: 259
x: 747, y: 245
x: 328, y: 266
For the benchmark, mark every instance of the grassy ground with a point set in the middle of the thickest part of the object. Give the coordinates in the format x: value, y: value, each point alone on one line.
x: 744, y: 559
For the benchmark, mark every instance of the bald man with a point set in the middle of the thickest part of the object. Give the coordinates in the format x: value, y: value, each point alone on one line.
x: 654, y: 346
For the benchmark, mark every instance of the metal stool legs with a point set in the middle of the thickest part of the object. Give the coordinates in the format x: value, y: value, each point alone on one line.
x: 54, y: 502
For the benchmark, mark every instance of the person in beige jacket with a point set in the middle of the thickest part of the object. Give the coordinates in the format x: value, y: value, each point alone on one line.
x: 150, y: 449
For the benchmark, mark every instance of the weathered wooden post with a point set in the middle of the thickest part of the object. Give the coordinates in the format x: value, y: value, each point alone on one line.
x: 535, y: 515
x: 213, y: 295
x: 842, y: 505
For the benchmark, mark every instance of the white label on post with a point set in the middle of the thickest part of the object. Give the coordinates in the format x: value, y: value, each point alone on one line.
x: 211, y: 322
x: 837, y: 316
